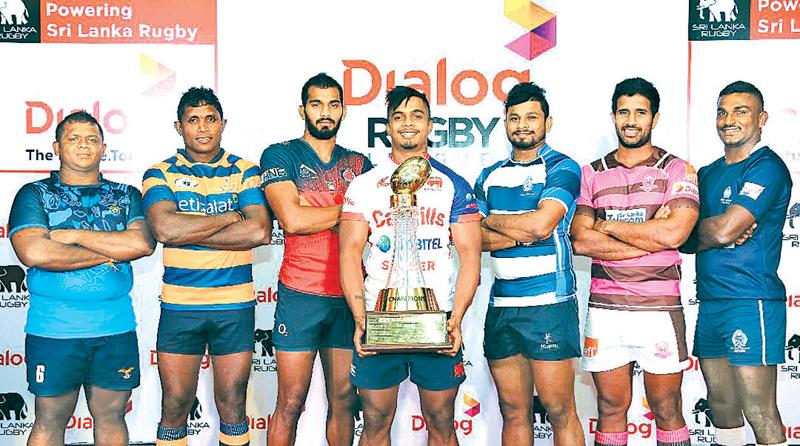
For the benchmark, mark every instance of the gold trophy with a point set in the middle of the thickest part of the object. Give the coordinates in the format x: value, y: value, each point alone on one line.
x: 406, y: 316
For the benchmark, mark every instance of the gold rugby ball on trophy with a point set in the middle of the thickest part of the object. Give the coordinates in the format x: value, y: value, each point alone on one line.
x: 410, y: 175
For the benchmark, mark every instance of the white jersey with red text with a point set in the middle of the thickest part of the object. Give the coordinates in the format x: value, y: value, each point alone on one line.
x: 445, y: 199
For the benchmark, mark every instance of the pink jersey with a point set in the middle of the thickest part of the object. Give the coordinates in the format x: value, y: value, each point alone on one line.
x: 610, y: 191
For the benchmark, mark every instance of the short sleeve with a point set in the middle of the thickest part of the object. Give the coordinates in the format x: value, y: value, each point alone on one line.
x: 464, y: 208
x: 27, y: 210
x: 563, y: 183
x: 276, y: 165
x: 682, y: 185
x: 366, y: 166
x: 480, y: 194
x: 764, y: 183
x: 354, y: 201
x: 250, y: 192
x: 155, y: 188
x: 135, y: 209
x: 585, y: 205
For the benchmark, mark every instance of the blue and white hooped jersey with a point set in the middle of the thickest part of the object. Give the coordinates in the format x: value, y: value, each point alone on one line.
x: 542, y: 273
x: 444, y: 200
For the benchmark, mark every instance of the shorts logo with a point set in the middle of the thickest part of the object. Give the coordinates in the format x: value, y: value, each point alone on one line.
x: 282, y: 330
x: 307, y: 172
x: 548, y: 343
x: 352, y: 370
x: 739, y: 341
x: 751, y: 190
x: 458, y: 370
x: 590, y: 346
x: 662, y: 350
x: 126, y: 373
x: 186, y: 183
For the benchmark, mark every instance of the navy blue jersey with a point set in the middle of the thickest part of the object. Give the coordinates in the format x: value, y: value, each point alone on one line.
x: 762, y: 185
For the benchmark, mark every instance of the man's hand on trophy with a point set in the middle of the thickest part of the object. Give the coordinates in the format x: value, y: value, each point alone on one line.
x: 361, y: 325
x: 454, y: 330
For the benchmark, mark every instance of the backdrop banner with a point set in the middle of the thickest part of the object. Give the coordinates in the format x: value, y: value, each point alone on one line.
x: 127, y: 64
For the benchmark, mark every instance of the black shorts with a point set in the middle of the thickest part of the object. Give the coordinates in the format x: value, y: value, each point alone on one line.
x: 189, y: 332
x: 546, y: 332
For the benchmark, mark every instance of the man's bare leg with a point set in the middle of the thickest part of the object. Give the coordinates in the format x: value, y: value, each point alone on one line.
x: 341, y: 395
x: 379, y: 409
x: 555, y: 384
x: 231, y: 373
x: 294, y: 379
x: 52, y: 414
x: 513, y: 377
x: 438, y: 407
x: 107, y: 408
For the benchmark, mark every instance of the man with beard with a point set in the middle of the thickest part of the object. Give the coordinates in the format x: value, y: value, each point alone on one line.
x: 447, y: 212
x: 304, y: 181
x: 741, y: 327
x: 531, y: 335
x: 637, y: 205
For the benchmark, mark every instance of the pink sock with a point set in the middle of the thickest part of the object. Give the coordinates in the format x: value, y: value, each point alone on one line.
x: 611, y: 438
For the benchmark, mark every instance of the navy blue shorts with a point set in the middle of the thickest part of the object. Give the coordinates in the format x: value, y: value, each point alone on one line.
x: 546, y: 332
x: 746, y: 331
x: 223, y: 331
x: 59, y: 366
x: 305, y: 322
x: 429, y: 371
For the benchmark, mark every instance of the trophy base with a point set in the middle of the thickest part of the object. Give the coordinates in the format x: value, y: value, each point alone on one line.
x: 406, y: 331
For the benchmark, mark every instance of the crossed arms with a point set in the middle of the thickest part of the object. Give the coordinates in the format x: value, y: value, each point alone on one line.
x: 620, y: 240
x: 72, y: 249
x: 227, y: 230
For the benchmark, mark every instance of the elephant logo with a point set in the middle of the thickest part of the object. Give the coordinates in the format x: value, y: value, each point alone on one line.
x: 540, y: 414
x: 13, y: 12
x: 716, y: 8
x: 703, y: 407
x: 792, y: 344
x: 12, y: 277
x: 12, y: 402
x: 196, y: 411
x: 794, y: 211
x: 264, y: 338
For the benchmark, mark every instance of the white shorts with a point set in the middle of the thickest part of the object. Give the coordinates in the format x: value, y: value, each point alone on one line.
x: 654, y: 339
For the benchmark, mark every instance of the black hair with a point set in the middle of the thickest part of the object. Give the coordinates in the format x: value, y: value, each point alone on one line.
x: 527, y: 91
x: 197, y: 97
x: 78, y: 116
x: 400, y: 94
x: 743, y: 87
x: 321, y: 80
x: 634, y: 86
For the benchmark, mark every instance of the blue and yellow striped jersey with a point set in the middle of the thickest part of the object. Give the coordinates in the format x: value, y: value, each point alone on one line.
x: 197, y: 277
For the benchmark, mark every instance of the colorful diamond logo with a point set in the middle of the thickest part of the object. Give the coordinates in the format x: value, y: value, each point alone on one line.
x: 540, y: 23
x: 473, y: 404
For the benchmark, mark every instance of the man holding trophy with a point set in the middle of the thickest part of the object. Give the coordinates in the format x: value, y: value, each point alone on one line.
x: 413, y: 297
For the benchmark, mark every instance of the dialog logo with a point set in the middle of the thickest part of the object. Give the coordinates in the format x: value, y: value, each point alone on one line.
x: 539, y: 24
